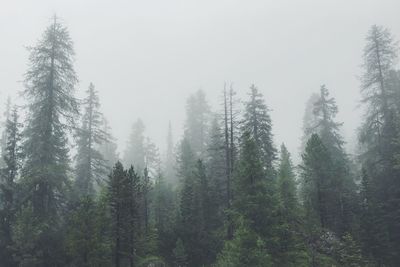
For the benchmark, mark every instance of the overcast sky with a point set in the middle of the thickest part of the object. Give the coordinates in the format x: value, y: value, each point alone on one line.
x: 145, y: 57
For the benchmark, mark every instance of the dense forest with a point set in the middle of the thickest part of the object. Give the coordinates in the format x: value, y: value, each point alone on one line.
x: 222, y: 195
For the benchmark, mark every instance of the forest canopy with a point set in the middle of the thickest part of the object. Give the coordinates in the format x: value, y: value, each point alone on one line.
x: 224, y: 194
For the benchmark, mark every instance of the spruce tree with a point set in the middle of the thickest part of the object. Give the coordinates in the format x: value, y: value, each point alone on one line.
x: 91, y: 166
x: 343, y: 196
x: 134, y: 153
x: 197, y: 123
x: 164, y: 207
x: 291, y: 250
x: 86, y: 243
x: 378, y: 137
x: 122, y: 205
x: 257, y: 124
x: 141, y: 152
x: 309, y: 120
x: 316, y: 171
x: 8, y: 187
x: 108, y: 148
x: 50, y: 82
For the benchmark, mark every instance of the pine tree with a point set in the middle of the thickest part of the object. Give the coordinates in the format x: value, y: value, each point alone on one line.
x: 257, y: 124
x: 197, y: 123
x: 164, y: 207
x: 216, y: 168
x: 255, y: 198
x: 50, y: 82
x: 246, y: 248
x: 197, y: 216
x: 108, y: 148
x: 8, y: 188
x: 91, y: 166
x: 141, y: 152
x: 343, y: 196
x: 309, y: 120
x: 316, y: 176
x: 378, y: 137
x: 350, y: 252
x: 134, y: 153
x: 85, y: 241
x: 291, y: 246
x: 122, y: 204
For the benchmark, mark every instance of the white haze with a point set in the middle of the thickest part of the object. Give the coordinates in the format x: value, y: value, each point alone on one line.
x: 146, y: 57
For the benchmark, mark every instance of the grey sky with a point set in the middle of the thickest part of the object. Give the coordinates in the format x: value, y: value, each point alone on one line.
x: 146, y: 57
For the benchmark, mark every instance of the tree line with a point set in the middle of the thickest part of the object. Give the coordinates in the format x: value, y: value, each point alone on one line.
x: 224, y: 195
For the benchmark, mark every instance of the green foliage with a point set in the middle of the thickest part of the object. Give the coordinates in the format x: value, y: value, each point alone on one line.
x: 246, y: 248
x: 350, y: 253
x: 180, y: 256
x: 49, y: 91
x: 86, y: 243
x: 257, y: 125
x: 91, y: 167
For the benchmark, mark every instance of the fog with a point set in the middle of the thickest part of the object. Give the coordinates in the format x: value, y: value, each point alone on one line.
x: 146, y: 57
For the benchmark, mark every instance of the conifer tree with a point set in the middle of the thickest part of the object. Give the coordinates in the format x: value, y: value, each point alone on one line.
x: 50, y: 82
x: 197, y: 123
x: 291, y: 250
x: 257, y: 124
x: 309, y: 120
x: 108, y: 148
x: 122, y: 208
x: 343, y: 196
x: 141, y: 152
x: 90, y: 166
x: 164, y: 207
x: 378, y: 137
x: 196, y: 218
x: 86, y: 244
x: 255, y: 198
x: 8, y: 187
x: 316, y: 177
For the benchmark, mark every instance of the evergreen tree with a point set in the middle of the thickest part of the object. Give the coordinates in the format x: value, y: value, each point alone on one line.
x: 216, y: 168
x: 8, y: 188
x: 316, y: 177
x: 309, y: 120
x: 197, y: 123
x: 350, y: 253
x: 246, y: 248
x: 197, y: 215
x: 291, y: 250
x: 255, y: 198
x: 123, y: 209
x: 343, y: 196
x: 86, y: 243
x: 50, y: 82
x: 90, y: 165
x: 141, y: 152
x: 108, y: 148
x: 257, y: 124
x: 164, y: 207
x: 134, y: 153
x: 378, y: 137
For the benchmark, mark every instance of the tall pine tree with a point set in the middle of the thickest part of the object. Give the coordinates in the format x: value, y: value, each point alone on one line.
x: 50, y: 82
